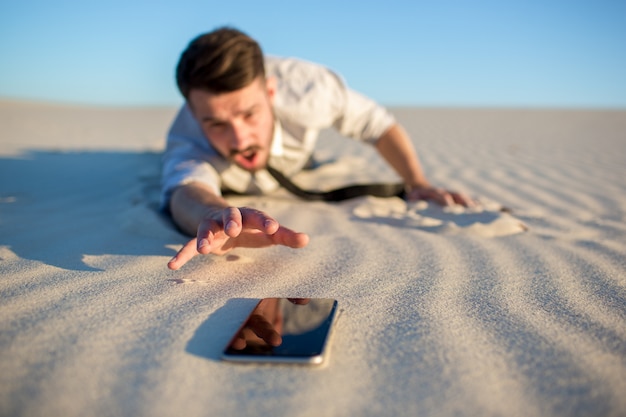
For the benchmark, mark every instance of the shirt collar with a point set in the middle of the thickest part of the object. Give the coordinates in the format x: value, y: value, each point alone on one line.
x: 277, y: 140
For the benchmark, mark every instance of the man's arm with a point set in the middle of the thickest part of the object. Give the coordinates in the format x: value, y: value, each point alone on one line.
x: 396, y: 147
x: 218, y: 227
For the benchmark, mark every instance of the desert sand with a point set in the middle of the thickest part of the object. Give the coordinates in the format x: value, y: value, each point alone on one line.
x: 443, y: 312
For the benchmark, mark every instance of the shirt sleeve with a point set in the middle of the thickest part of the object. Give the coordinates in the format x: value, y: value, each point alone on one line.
x: 186, y: 158
x: 319, y: 98
x: 362, y: 118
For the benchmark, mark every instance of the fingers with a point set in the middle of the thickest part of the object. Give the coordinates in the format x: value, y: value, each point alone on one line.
x: 449, y: 198
x: 265, y: 330
x: 441, y: 197
x: 258, y: 239
x: 463, y: 199
x: 210, y: 235
x: 232, y: 221
x: 239, y: 343
x: 237, y: 227
x: 290, y: 238
x: 255, y: 219
x: 236, y: 219
x: 252, y: 228
x: 184, y: 255
x: 259, y: 328
x: 299, y: 301
x: 438, y: 195
x: 213, y: 234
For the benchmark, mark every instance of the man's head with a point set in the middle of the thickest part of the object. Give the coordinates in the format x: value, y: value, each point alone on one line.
x: 221, y: 61
x: 221, y: 74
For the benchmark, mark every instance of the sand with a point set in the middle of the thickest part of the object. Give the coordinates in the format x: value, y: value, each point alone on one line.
x: 443, y: 312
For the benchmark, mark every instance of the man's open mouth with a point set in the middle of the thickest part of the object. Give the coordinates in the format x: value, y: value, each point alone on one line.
x: 246, y: 158
x: 249, y: 155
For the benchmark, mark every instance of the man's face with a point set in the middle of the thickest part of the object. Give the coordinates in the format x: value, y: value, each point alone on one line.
x: 239, y: 124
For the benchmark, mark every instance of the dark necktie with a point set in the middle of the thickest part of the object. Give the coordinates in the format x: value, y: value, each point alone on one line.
x: 339, y: 194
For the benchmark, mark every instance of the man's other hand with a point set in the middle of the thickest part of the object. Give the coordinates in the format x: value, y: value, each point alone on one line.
x: 440, y: 196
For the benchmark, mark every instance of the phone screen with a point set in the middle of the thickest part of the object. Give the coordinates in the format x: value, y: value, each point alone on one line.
x: 286, y: 330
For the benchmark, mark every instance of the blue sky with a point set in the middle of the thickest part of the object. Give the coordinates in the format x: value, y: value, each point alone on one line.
x: 533, y: 53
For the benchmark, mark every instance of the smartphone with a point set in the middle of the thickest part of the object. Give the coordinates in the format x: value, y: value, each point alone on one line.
x: 284, y: 330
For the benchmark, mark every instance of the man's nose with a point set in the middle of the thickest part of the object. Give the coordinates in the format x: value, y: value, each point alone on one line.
x: 240, y: 139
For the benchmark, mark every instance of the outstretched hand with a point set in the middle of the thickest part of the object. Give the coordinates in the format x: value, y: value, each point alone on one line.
x: 237, y: 227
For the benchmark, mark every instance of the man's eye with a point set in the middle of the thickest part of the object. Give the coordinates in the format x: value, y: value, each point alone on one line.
x: 217, y: 126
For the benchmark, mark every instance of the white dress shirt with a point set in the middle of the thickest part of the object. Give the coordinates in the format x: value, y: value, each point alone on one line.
x: 309, y: 98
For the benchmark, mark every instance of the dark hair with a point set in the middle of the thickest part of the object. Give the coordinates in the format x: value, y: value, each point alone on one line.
x: 220, y: 61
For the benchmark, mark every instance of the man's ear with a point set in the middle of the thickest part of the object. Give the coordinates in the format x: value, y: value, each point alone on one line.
x: 270, y: 87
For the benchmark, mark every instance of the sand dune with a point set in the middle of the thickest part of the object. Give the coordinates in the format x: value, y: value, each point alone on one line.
x: 443, y: 311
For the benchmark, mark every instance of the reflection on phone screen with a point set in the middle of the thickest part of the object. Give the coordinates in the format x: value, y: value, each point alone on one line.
x: 284, y: 330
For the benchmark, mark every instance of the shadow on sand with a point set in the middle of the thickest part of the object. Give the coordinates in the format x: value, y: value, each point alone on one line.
x: 214, y: 333
x: 60, y: 207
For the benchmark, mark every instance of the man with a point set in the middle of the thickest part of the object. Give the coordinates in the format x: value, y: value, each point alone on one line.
x: 244, y: 112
